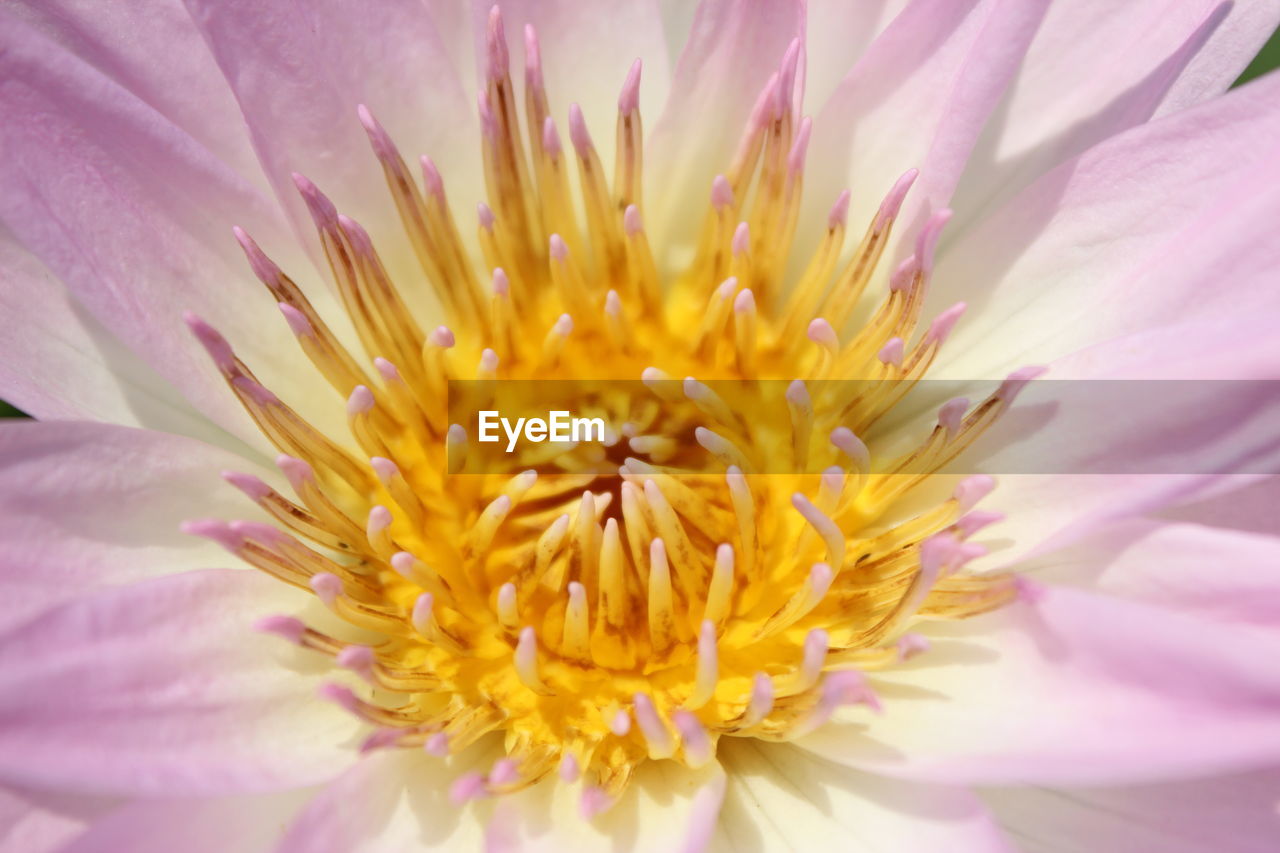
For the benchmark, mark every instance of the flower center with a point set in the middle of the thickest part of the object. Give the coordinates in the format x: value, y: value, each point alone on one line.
x: 602, y: 605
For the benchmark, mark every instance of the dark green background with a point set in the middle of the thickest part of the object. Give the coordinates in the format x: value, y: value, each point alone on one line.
x: 1266, y: 60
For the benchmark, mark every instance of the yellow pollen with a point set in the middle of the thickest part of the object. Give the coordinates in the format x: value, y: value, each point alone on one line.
x: 602, y: 605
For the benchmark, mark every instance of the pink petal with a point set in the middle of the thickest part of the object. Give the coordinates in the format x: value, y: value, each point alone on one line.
x: 836, y: 36
x: 39, y: 822
x: 1127, y: 237
x: 1230, y: 813
x: 918, y: 98
x: 1093, y: 70
x: 1226, y: 575
x: 163, y: 688
x: 151, y: 48
x: 245, y: 824
x: 783, y: 797
x: 57, y: 361
x: 299, y: 74
x: 133, y: 216
x: 83, y: 506
x: 1231, y: 48
x: 1078, y: 688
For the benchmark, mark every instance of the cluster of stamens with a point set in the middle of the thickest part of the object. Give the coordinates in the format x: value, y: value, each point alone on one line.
x: 602, y: 606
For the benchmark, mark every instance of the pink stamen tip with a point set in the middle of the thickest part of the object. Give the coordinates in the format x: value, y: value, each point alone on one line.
x: 298, y: 322
x: 570, y: 770
x: 977, y: 520
x: 488, y: 121
x: 423, y: 609
x: 892, y: 203
x: 952, y: 413
x: 795, y: 158
x: 403, y: 563
x: 213, y: 342
x: 358, y: 659
x: 892, y: 352
x: 620, y: 723
x: 360, y: 402
x: 322, y: 210
x: 383, y: 147
x: 256, y: 391
x: 940, y: 328
x: 721, y: 193
x: 381, y: 739
x: 631, y: 222
x: 594, y: 801
x: 285, y: 627
x: 532, y: 58
x: 386, y: 369
x: 379, y: 520
x: 745, y: 301
x: 613, y: 303
x: 296, y: 471
x: 797, y: 393
x: 431, y: 178
x: 437, y: 745
x: 741, y: 238
x: 1013, y: 384
x: 697, y: 745
x: 968, y: 551
x: 910, y: 645
x: 849, y: 687
x: 972, y: 489
x: 442, y: 336
x: 341, y: 695
x: 215, y: 530
x: 927, y: 242
x: 845, y: 441
x: 488, y: 360
x: 263, y: 267
x: 551, y: 139
x: 629, y: 99
x: 360, y: 240
x: 327, y: 586
x: 820, y: 577
x: 260, y: 532
x: 501, y: 284
x: 1029, y: 591
x: 820, y: 332
x: 485, y: 214
x: 904, y: 275
x: 563, y: 326
x: 559, y: 249
x: 384, y: 468
x: 578, y: 134
x: 467, y: 787
x: 787, y: 74
x: 253, y: 488
x: 839, y: 214
x: 762, y: 111
x: 936, y: 554
x: 505, y: 772
x: 496, y: 46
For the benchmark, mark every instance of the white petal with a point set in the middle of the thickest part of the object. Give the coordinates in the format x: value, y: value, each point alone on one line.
x: 781, y: 797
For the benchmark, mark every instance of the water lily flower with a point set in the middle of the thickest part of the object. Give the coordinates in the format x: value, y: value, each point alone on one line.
x: 261, y: 591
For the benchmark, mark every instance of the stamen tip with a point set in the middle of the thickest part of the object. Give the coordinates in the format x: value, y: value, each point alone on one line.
x: 629, y: 99
x: 839, y: 214
x: 286, y: 627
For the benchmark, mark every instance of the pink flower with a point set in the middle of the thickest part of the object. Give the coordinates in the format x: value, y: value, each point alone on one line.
x: 433, y: 654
